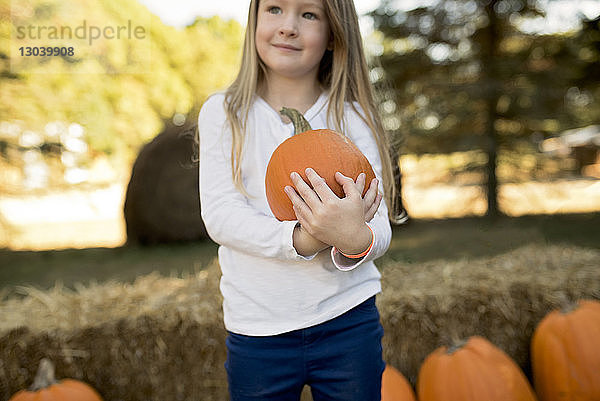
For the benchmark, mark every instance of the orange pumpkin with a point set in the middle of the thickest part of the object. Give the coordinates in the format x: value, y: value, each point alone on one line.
x: 565, y: 354
x: 395, y: 387
x: 324, y: 150
x: 46, y: 388
x: 473, y: 370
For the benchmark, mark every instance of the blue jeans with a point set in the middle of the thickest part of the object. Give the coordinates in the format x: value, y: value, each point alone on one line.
x: 340, y: 360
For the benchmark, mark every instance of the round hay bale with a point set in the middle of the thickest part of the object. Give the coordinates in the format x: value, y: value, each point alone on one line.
x: 162, y: 203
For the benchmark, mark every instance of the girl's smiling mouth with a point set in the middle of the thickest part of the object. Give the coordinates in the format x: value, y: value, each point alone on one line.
x: 285, y: 46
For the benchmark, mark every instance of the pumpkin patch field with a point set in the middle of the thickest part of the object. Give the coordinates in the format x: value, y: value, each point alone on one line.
x: 161, y: 337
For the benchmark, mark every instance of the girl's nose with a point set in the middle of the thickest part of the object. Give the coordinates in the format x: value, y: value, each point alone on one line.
x: 289, y: 27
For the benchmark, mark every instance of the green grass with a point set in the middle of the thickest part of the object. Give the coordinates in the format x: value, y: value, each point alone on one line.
x: 418, y: 241
x: 451, y: 239
x: 43, y: 269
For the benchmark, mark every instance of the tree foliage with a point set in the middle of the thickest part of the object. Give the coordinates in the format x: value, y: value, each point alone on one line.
x: 118, y: 95
x: 467, y: 77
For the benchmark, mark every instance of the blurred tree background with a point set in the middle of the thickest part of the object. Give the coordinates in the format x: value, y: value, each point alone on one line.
x: 69, y: 118
x: 470, y: 84
x: 472, y: 76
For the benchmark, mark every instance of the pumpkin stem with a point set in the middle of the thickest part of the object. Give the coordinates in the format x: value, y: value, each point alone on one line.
x: 300, y: 123
x: 456, y: 345
x: 44, y: 377
x: 568, y: 307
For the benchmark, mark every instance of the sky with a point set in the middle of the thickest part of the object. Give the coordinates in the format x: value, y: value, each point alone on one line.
x: 561, y: 13
x: 183, y: 12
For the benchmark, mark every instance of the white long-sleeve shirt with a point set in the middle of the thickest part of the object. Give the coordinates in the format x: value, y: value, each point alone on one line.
x: 268, y: 288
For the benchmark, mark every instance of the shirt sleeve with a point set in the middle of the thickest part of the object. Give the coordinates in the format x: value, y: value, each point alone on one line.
x: 360, y: 134
x: 229, y: 218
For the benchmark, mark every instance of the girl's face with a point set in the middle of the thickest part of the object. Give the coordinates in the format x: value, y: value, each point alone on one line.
x: 292, y: 36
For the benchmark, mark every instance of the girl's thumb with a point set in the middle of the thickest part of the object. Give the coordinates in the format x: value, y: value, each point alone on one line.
x: 347, y: 184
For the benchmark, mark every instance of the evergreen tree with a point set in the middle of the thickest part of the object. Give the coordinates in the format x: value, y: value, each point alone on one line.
x: 468, y: 78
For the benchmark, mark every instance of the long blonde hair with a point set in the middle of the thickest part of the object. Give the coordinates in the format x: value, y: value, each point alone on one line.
x: 343, y: 72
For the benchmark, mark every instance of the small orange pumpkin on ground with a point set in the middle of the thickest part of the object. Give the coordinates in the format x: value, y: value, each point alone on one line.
x: 565, y: 353
x: 46, y: 388
x: 395, y: 387
x: 473, y: 370
x: 324, y: 150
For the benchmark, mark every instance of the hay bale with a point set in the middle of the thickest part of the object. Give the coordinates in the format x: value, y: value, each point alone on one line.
x: 162, y: 338
x: 501, y: 298
x: 156, y: 339
x: 162, y: 202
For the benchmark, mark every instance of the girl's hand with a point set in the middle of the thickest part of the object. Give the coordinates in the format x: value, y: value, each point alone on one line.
x: 305, y: 244
x: 334, y: 221
x: 372, y: 197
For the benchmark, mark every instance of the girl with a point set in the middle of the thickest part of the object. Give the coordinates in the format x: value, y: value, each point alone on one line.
x: 298, y: 296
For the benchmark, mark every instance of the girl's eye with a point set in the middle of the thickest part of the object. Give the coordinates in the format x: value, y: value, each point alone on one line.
x: 309, y: 16
x: 274, y: 10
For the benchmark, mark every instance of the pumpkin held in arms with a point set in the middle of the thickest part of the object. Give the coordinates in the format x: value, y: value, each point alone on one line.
x: 324, y: 150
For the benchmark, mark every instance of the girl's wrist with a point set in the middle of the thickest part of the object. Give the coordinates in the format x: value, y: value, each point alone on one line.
x: 361, y: 251
x: 305, y: 244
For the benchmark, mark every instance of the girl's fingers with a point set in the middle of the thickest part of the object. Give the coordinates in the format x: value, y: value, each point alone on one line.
x: 309, y: 196
x: 371, y: 193
x: 370, y: 213
x: 348, y: 185
x: 319, y: 186
x: 299, y: 216
x: 360, y: 182
x: 300, y: 207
